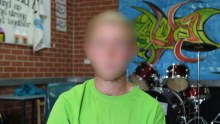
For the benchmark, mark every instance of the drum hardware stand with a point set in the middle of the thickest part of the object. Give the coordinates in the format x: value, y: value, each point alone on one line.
x: 215, y: 119
x: 183, y: 120
x: 197, y: 102
x: 198, y: 47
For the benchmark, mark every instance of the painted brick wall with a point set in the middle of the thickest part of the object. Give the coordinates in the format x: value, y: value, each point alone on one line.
x: 20, y: 62
x: 63, y: 60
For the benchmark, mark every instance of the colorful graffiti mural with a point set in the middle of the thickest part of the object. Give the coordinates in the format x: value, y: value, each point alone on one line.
x: 159, y: 31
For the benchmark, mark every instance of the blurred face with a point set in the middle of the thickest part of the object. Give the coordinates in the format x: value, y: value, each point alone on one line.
x: 110, y: 49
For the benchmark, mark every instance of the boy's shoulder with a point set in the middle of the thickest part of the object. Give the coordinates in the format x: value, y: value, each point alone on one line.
x: 75, y: 91
x: 147, y: 98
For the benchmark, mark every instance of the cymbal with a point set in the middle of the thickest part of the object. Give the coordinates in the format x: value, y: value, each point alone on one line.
x: 198, y: 47
x: 216, y: 72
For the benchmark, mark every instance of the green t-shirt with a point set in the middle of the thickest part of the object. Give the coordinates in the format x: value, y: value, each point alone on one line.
x: 84, y: 104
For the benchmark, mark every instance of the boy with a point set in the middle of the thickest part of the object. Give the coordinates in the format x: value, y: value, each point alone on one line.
x: 108, y: 98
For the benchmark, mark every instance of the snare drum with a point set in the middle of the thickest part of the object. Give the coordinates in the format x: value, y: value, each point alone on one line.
x: 192, y: 92
x: 177, y: 77
x: 145, y: 76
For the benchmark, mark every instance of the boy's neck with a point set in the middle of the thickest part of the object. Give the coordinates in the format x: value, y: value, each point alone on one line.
x: 115, y: 87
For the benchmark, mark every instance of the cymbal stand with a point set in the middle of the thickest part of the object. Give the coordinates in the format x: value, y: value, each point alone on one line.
x: 197, y: 102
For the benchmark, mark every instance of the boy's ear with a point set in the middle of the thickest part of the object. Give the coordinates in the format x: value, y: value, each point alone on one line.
x: 86, y: 49
x: 134, y: 51
x: 86, y: 46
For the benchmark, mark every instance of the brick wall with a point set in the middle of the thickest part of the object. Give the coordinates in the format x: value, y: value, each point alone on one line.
x: 63, y: 60
x: 21, y: 62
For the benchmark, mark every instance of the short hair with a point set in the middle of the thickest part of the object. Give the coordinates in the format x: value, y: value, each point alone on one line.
x: 111, y: 16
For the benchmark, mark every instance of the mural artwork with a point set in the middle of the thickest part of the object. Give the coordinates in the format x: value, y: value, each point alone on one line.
x: 163, y: 27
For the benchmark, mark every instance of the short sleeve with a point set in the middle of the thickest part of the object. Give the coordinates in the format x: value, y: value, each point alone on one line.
x: 160, y: 116
x: 59, y: 112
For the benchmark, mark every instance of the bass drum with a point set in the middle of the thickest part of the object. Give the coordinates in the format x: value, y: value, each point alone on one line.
x: 169, y: 112
x: 171, y: 103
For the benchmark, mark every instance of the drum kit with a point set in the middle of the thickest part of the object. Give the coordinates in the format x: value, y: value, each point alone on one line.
x: 173, y: 91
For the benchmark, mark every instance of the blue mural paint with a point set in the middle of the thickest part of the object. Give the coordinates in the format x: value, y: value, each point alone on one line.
x: 211, y: 27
